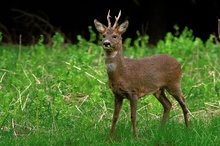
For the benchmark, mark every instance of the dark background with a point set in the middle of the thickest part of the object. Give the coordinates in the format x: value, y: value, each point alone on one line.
x: 30, y: 18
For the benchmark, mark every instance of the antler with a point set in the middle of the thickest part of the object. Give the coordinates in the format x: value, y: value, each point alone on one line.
x: 116, y: 19
x: 108, y: 18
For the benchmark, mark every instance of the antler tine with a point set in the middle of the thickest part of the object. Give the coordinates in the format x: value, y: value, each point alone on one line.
x: 116, y: 19
x: 108, y: 18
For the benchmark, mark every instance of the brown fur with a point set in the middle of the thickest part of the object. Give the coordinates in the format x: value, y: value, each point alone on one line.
x: 133, y: 79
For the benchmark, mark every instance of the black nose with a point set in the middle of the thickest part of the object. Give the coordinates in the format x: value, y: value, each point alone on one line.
x: 107, y: 44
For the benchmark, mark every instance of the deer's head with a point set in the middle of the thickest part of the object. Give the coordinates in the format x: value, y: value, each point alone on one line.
x: 112, y: 40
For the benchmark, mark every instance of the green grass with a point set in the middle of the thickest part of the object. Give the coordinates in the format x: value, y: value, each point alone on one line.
x: 59, y: 95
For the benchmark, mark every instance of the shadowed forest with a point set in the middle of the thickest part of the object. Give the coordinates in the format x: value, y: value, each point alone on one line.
x: 30, y: 19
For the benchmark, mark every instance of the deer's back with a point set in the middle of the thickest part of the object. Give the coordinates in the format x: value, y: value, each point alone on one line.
x: 155, y: 67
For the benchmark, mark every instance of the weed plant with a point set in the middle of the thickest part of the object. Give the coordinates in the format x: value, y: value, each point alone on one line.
x: 59, y: 95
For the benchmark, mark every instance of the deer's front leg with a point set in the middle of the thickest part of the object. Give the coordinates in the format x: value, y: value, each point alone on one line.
x: 117, y: 108
x: 133, y: 104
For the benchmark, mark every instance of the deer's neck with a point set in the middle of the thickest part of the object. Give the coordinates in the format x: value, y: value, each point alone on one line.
x: 115, y: 65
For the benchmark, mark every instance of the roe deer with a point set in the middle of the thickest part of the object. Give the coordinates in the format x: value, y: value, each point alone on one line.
x: 132, y: 79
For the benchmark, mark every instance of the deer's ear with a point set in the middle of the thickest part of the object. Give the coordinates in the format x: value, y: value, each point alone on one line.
x: 123, y: 27
x: 99, y: 26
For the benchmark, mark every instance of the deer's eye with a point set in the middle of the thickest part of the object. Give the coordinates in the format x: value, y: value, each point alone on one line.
x: 103, y: 36
x: 114, y: 36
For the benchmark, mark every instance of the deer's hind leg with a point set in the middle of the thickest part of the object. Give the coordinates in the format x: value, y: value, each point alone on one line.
x: 162, y: 98
x: 176, y: 92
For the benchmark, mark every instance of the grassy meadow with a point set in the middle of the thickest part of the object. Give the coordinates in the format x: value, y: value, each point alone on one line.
x: 59, y: 95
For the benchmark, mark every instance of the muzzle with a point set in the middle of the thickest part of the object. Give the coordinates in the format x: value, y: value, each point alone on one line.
x: 107, y: 46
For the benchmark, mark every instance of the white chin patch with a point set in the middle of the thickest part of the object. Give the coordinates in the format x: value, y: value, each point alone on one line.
x: 112, y: 55
x: 110, y: 67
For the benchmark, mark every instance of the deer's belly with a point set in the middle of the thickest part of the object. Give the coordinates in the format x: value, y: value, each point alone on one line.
x: 125, y: 91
